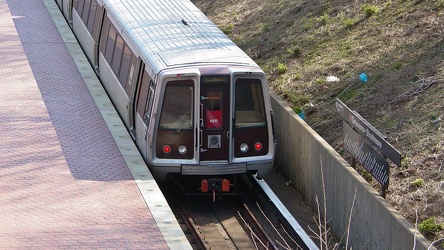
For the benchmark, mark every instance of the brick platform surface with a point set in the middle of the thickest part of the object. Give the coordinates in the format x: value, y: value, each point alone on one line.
x: 63, y: 181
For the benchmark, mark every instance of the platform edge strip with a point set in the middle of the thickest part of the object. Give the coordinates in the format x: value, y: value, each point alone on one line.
x: 146, y: 184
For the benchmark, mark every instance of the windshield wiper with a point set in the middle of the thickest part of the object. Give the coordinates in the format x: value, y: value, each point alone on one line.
x: 184, y: 119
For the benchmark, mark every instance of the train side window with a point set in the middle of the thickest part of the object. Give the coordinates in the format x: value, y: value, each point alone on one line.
x: 149, y: 103
x: 249, y: 103
x: 96, y: 22
x: 104, y: 34
x: 143, y: 93
x: 85, y: 12
x: 125, y: 65
x: 117, y: 58
x: 79, y: 8
x: 132, y: 74
x: 91, y: 16
x: 110, y: 43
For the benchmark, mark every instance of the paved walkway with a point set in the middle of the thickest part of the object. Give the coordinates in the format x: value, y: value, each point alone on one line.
x: 64, y: 182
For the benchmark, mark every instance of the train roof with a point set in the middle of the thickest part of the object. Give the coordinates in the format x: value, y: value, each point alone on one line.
x: 175, y: 32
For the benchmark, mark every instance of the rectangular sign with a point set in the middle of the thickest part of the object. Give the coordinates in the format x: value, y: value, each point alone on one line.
x: 214, y: 119
x: 371, y: 134
x: 372, y: 161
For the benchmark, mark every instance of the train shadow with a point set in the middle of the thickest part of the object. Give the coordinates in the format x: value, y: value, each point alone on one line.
x: 82, y: 140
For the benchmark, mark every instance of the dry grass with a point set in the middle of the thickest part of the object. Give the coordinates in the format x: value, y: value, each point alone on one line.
x: 399, y: 44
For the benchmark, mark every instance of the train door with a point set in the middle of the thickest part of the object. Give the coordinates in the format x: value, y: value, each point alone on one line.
x: 143, y: 108
x: 65, y: 7
x: 214, y: 118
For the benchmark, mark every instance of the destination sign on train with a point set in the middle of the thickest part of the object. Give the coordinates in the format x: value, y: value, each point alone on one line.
x: 215, y: 79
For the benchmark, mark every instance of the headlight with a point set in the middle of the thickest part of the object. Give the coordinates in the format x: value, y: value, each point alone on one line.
x: 244, y: 147
x: 182, y: 149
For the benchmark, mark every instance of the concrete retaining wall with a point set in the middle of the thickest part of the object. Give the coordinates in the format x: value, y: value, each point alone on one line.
x: 304, y: 157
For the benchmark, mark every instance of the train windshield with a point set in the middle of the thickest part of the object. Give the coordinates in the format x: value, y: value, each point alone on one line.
x: 177, y: 108
x: 249, y: 103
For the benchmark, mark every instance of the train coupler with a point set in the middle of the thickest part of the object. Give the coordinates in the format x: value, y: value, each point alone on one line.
x: 219, y: 185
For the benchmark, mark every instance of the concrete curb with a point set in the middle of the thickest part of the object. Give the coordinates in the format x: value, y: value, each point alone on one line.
x: 307, y: 159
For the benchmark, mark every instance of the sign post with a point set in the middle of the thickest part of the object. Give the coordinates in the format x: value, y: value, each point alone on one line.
x: 367, y: 146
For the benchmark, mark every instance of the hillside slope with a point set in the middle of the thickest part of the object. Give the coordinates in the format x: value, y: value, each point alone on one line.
x: 400, y: 47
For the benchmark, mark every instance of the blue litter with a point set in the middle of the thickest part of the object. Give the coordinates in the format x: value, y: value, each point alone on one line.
x: 363, y: 77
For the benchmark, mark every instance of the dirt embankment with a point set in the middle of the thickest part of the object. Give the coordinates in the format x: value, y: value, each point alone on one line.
x: 400, y: 47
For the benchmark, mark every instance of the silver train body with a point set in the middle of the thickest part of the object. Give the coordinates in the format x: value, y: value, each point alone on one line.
x: 194, y: 103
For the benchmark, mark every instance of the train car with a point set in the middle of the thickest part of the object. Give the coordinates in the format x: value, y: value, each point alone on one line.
x: 195, y: 104
x: 65, y: 7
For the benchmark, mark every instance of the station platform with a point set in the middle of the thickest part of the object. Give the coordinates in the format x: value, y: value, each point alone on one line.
x: 70, y: 176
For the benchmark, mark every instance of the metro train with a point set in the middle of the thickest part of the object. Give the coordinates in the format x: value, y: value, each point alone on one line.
x: 195, y: 104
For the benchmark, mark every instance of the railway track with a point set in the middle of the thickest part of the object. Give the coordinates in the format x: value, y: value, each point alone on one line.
x: 250, y: 220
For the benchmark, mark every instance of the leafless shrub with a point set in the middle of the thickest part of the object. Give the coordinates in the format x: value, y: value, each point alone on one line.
x: 424, y: 84
x: 323, y: 233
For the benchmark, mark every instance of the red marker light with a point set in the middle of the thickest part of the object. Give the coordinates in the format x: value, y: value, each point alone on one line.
x: 166, y: 149
x: 204, y: 186
x: 225, y: 185
x: 258, y: 146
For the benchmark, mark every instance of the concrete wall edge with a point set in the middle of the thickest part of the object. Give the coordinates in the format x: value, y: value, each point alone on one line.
x: 280, y: 107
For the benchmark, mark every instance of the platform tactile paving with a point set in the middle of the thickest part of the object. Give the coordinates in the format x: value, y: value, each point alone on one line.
x: 64, y: 183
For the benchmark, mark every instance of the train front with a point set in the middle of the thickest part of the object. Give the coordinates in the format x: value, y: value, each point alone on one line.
x: 210, y: 126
